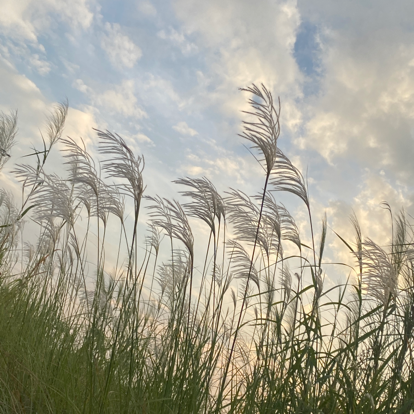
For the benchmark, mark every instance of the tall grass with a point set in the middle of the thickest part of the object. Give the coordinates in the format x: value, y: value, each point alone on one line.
x: 248, y: 328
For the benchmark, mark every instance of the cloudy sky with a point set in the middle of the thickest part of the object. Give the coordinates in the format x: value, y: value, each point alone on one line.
x: 165, y: 76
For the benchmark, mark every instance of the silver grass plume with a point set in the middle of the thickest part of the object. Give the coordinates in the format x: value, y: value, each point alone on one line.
x: 122, y: 164
x: 243, y: 268
x: 269, y: 292
x: 286, y: 177
x: 352, y: 315
x: 57, y: 122
x: 207, y: 203
x: 93, y: 201
x: 110, y: 201
x: 53, y: 197
x: 292, y: 309
x: 50, y: 236
x: 113, y: 201
x: 272, y: 210
x: 29, y: 251
x: 9, y: 220
x: 170, y: 216
x: 399, y: 241
x: 218, y: 274
x: 223, y: 279
x: 379, y: 272
x: 8, y: 210
x: 8, y: 131
x: 244, y: 214
x: 90, y: 189
x: 286, y: 283
x: 73, y: 242
x: 82, y: 166
x: 172, y: 276
x: 153, y: 240
x: 265, y: 131
x: 279, y: 222
x: 287, y: 228
x: 272, y: 225
x: 28, y: 175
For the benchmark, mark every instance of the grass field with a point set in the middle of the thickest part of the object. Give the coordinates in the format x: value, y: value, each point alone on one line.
x: 253, y: 330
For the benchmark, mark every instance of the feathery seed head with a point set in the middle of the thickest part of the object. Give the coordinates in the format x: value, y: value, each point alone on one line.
x: 242, y: 266
x: 264, y: 132
x: 379, y: 272
x: 82, y: 165
x: 170, y: 216
x: 57, y: 122
x: 123, y: 164
x: 172, y: 276
x: 244, y: 213
x: 286, y: 281
x: 154, y: 239
x: 286, y: 177
x: 284, y: 224
x: 8, y: 131
x: 207, y: 203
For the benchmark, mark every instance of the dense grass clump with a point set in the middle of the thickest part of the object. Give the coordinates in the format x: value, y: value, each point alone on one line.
x: 248, y: 328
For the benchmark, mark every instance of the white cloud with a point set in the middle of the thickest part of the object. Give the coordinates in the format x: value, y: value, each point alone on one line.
x: 14, y: 20
x: 365, y: 109
x: 23, y: 22
x: 179, y: 40
x: 120, y: 100
x: 81, y: 86
x: 80, y: 124
x: 139, y: 138
x: 373, y: 218
x: 143, y: 138
x: 147, y: 8
x: 78, y: 13
x: 133, y: 141
x: 243, y: 44
x: 184, y: 129
x: 121, y: 50
x: 160, y: 91
x: 42, y: 66
x: 223, y: 169
x: 27, y: 19
x: 21, y: 94
x: 195, y: 170
x: 71, y: 67
x: 37, y: 62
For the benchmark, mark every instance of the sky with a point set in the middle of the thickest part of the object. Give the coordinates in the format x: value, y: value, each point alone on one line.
x: 165, y: 75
